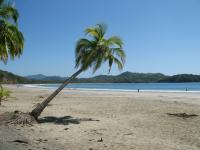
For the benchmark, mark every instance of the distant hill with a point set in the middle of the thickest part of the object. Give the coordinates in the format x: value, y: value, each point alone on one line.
x: 126, y: 77
x: 182, y: 78
x: 8, y: 77
x: 54, y: 78
x: 46, y: 78
x: 36, y: 77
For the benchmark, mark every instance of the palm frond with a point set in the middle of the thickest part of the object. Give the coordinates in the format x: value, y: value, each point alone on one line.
x: 82, y: 46
x: 94, y: 52
x: 98, y: 62
x: 97, y: 32
x: 110, y: 62
x: 7, y: 11
x: 118, y: 62
x: 11, y: 41
x: 115, y: 41
x: 101, y: 29
x: 91, y: 32
x: 1, y: 2
x: 119, y: 53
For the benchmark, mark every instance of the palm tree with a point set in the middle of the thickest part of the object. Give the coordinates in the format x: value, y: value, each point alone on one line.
x: 91, y: 52
x: 11, y: 39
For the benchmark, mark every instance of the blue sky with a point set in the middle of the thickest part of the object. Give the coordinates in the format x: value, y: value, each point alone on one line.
x: 159, y: 35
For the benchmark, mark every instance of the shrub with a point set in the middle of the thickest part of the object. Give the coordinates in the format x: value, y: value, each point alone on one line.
x: 4, y: 94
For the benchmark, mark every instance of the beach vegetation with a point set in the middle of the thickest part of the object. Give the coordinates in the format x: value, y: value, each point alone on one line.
x: 4, y: 94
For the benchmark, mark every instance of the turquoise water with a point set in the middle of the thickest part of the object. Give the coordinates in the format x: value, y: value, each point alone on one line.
x: 130, y: 86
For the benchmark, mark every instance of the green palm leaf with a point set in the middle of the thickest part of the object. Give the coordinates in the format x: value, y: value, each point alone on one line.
x: 95, y: 51
x: 11, y: 39
x: 7, y: 12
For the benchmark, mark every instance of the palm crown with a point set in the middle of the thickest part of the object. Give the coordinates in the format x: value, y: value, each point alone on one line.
x: 11, y: 39
x: 95, y: 50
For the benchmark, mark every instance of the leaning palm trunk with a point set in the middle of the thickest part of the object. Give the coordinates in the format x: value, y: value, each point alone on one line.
x: 40, y: 107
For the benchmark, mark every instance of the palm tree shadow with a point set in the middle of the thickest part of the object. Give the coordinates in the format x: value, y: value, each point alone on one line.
x: 63, y: 120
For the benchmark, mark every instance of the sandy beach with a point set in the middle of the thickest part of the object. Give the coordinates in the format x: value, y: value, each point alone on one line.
x: 102, y: 120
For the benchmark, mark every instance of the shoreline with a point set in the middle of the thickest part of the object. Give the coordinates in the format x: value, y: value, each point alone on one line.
x: 181, y: 96
x: 112, y: 90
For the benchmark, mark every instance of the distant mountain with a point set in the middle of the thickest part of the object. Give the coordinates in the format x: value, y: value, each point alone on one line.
x: 8, y: 77
x: 46, y: 78
x: 126, y: 77
x: 36, y: 77
x: 54, y: 78
x: 182, y: 78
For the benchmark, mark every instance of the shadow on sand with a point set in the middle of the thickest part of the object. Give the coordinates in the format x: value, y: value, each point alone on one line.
x: 63, y: 120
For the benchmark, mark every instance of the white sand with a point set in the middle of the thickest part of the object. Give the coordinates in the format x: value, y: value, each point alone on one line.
x: 127, y: 120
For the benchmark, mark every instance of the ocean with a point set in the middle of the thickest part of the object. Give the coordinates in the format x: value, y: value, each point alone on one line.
x: 163, y: 87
